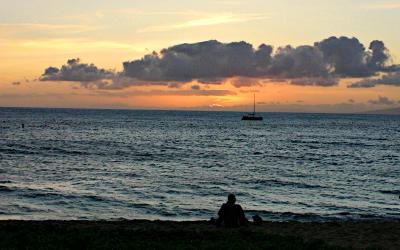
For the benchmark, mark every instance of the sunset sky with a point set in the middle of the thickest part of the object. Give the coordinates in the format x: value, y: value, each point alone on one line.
x: 210, y: 72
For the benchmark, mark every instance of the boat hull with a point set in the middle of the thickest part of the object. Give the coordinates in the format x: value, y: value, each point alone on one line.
x: 252, y: 118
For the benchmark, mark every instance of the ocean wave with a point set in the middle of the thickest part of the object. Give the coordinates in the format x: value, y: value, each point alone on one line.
x: 313, y: 217
x: 5, y: 189
x: 276, y: 182
x: 12, y: 151
x: 395, y: 192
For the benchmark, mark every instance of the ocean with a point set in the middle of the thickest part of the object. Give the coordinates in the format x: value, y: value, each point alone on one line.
x: 180, y: 165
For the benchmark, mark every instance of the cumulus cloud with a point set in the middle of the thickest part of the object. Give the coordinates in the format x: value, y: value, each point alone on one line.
x: 215, y: 19
x: 76, y: 71
x: 379, y: 55
x: 321, y: 64
x: 392, y: 79
x: 382, y: 100
x: 303, y: 61
x: 187, y: 62
x: 213, y: 62
x: 345, y: 56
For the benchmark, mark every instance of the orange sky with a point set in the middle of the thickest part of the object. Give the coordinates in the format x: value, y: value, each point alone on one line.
x: 107, y: 34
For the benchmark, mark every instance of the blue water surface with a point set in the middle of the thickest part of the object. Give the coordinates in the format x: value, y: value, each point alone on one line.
x: 180, y: 165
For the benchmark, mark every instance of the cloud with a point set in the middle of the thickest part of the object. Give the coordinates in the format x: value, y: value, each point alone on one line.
x: 391, y: 79
x: 215, y: 106
x: 45, y: 26
x: 92, y: 77
x: 76, y: 72
x: 156, y: 92
x: 382, y: 100
x: 216, y: 19
x: 383, y: 6
x: 315, y: 81
x: 213, y: 62
x: 195, y: 87
x: 379, y: 55
x: 303, y: 61
x: 187, y: 62
x: 347, y: 57
x: 80, y: 45
x: 322, y: 64
x: 239, y: 82
x: 23, y: 28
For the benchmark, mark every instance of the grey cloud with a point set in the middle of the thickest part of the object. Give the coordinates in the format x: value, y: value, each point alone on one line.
x: 303, y: 61
x: 382, y: 100
x: 379, y: 56
x: 392, y: 79
x: 212, y: 62
x: 76, y: 72
x: 118, y: 83
x: 345, y: 56
x: 195, y: 87
x: 175, y: 85
x: 239, y: 82
x: 328, y: 59
x: 92, y: 77
x: 186, y: 62
x: 217, y: 61
x: 316, y: 81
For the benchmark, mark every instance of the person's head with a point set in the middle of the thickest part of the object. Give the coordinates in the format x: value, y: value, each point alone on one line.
x: 231, y: 198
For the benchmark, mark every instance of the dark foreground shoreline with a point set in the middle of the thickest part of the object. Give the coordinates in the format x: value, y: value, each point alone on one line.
x: 143, y: 234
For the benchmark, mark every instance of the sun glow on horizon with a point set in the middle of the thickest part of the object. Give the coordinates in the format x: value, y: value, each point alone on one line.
x: 114, y: 32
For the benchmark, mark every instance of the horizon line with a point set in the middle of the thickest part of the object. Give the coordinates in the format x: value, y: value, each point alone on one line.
x: 368, y: 112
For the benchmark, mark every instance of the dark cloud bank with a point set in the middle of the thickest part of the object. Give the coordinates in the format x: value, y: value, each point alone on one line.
x: 211, y: 62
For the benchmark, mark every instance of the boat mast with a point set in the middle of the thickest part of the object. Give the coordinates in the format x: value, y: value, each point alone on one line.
x: 254, y: 107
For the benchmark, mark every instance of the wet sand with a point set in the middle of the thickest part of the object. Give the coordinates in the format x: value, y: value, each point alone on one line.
x: 198, y: 235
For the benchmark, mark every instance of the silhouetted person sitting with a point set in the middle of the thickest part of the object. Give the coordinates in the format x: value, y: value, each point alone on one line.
x: 231, y: 214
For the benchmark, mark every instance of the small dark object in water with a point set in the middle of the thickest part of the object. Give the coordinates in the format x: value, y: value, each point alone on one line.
x: 257, y: 220
x: 22, y: 125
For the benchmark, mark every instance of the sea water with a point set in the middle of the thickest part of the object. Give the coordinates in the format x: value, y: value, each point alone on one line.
x: 180, y: 165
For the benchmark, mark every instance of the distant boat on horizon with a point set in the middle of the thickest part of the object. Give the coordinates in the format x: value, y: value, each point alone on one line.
x: 252, y: 116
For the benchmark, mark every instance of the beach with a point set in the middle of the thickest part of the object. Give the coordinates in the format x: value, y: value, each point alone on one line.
x: 145, y: 234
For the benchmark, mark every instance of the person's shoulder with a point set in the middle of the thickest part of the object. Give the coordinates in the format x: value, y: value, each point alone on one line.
x: 238, y: 206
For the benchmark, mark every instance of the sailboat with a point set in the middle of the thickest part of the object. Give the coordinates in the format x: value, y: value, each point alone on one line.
x: 252, y: 116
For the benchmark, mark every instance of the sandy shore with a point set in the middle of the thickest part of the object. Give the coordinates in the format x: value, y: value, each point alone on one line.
x: 198, y: 234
